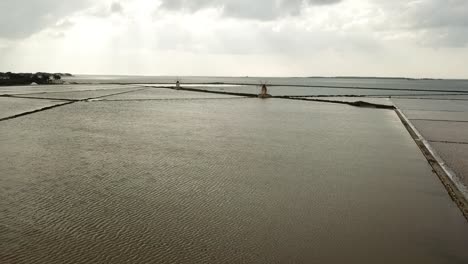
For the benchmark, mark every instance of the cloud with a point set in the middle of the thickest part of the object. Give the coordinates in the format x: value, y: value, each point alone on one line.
x: 246, y: 38
x: 431, y: 22
x: 64, y: 24
x: 437, y: 13
x: 259, y: 9
x: 270, y: 37
x: 116, y: 7
x: 441, y: 23
x: 106, y: 8
x: 22, y: 18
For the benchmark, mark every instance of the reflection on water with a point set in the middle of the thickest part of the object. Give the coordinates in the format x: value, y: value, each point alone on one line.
x: 221, y: 181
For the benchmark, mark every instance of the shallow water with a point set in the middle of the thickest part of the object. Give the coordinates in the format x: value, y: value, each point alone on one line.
x: 379, y: 101
x: 221, y: 181
x: 443, y: 122
x: 14, y: 106
x: 459, y: 85
x: 319, y: 91
x: 436, y: 115
x: 52, y: 89
x: 81, y: 95
x: 163, y: 93
x: 432, y: 105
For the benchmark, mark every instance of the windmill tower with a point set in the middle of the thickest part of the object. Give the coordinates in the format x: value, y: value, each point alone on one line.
x: 264, y: 91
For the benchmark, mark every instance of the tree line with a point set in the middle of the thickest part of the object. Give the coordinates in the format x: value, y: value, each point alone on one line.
x: 10, y: 78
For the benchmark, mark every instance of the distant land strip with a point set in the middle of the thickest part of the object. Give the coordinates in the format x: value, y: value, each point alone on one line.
x: 12, y: 79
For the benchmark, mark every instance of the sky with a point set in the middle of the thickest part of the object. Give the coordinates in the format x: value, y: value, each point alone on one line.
x: 404, y: 38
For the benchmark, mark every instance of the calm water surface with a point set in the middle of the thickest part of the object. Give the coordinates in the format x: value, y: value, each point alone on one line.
x: 220, y: 181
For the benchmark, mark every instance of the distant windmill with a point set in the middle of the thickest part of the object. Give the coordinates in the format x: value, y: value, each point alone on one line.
x: 264, y: 90
x: 177, y: 85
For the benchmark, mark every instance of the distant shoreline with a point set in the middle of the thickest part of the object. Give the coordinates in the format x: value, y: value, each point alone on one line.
x: 43, y: 78
x: 276, y: 77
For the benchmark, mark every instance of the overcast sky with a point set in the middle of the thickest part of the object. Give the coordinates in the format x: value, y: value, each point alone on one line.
x: 413, y: 38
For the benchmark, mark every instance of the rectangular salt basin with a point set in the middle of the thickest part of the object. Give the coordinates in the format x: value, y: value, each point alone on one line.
x: 81, y: 95
x: 442, y: 131
x: 432, y: 105
x: 437, y: 115
x: 14, y: 106
x: 36, y: 89
x: 311, y: 91
x: 455, y: 97
x: 221, y: 181
x: 456, y: 156
x: 173, y: 84
x: 379, y: 101
x: 163, y: 93
x: 430, y: 85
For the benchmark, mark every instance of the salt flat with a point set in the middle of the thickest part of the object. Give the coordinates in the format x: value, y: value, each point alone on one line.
x: 14, y: 106
x: 38, y: 89
x: 163, y: 93
x: 318, y: 91
x: 372, y: 100
x: 221, y: 180
x: 443, y: 121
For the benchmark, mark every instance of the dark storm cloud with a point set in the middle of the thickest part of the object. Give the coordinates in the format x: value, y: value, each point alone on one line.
x: 21, y: 18
x: 258, y: 9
